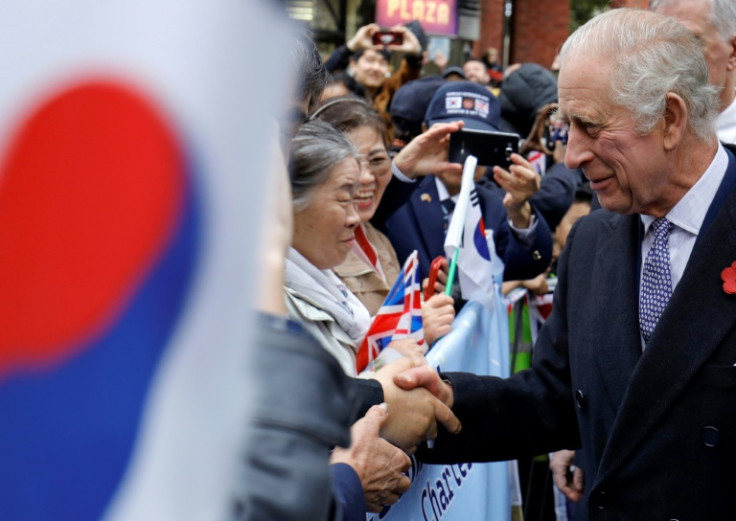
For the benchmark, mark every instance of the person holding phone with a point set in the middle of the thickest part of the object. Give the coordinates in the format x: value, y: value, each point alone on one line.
x: 367, y: 55
x: 521, y: 237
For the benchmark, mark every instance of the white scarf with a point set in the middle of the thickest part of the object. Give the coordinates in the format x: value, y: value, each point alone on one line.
x: 325, y: 290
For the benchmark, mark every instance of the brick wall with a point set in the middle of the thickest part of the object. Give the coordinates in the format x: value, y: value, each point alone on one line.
x: 491, y: 26
x: 630, y: 3
x: 540, y: 29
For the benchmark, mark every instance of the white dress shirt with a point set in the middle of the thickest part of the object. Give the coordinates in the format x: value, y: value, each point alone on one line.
x: 687, y: 216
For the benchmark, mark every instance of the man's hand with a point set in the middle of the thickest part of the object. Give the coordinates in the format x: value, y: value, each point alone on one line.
x: 521, y: 182
x: 415, y: 412
x: 427, y: 153
x: 423, y: 376
x: 437, y: 315
x: 568, y: 478
x: 380, y: 466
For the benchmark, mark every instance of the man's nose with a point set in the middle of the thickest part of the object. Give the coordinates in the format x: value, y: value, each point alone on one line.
x: 577, y: 152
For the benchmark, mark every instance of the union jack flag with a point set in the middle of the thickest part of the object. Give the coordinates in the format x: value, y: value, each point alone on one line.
x: 400, y: 315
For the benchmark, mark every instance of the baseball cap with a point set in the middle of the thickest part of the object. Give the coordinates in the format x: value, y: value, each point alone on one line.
x: 453, y: 70
x: 467, y: 101
x: 411, y: 100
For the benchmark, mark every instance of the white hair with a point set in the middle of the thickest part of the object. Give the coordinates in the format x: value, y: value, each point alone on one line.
x: 650, y: 55
x: 722, y: 14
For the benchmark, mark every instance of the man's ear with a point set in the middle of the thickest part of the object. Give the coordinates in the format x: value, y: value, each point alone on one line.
x: 675, y: 121
x: 732, y: 57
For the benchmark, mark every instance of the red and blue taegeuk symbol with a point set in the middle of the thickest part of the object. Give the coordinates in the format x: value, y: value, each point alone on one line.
x: 98, y: 240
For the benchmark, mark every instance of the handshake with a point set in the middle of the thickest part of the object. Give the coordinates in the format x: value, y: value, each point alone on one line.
x: 415, y: 402
x: 418, y: 400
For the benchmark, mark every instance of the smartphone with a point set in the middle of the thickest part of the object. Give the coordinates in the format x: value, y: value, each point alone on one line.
x: 388, y: 38
x: 491, y: 148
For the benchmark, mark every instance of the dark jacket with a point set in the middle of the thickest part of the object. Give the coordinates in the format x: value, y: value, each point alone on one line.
x: 523, y: 92
x: 655, y: 431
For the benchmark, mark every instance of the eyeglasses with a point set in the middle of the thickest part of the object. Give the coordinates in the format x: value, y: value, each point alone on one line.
x: 376, y: 163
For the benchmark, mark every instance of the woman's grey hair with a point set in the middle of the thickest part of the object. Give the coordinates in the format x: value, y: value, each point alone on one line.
x: 649, y: 55
x: 722, y: 15
x: 315, y: 149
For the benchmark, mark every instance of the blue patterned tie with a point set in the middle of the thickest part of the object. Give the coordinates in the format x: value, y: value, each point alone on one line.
x: 656, y: 282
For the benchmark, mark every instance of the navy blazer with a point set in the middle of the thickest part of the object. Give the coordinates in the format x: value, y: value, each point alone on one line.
x: 415, y: 221
x: 656, y: 430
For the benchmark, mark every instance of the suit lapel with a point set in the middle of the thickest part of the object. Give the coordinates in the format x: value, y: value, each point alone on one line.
x: 426, y: 205
x: 619, y: 321
x: 697, y: 318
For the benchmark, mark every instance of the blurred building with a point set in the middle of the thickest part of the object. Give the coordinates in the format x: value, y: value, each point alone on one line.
x: 521, y: 30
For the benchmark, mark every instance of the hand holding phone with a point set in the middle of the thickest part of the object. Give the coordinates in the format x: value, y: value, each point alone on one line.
x: 491, y: 148
x: 387, y: 38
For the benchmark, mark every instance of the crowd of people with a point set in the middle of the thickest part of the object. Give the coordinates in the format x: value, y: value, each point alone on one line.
x: 631, y: 373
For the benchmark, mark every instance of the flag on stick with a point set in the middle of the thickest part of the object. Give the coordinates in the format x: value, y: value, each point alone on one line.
x: 467, y: 244
x: 400, y: 315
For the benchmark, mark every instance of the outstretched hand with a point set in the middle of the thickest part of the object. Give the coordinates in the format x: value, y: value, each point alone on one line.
x: 413, y: 412
x: 423, y: 376
x: 427, y: 153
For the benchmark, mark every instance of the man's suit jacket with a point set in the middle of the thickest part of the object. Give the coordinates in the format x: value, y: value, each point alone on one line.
x: 656, y: 430
x: 418, y: 224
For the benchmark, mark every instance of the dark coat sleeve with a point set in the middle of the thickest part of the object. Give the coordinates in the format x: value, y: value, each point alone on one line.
x: 303, y: 407
x: 348, y: 493
x: 528, y: 414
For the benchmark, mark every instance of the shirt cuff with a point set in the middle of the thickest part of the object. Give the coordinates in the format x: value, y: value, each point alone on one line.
x: 398, y: 174
x: 525, y: 236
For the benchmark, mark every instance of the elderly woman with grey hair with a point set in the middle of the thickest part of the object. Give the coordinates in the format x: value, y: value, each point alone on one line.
x: 324, y: 173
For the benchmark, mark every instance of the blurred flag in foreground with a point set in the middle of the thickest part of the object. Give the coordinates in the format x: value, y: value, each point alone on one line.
x: 400, y: 315
x: 131, y: 136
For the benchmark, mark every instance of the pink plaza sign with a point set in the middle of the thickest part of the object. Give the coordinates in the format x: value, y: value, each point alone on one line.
x: 437, y: 17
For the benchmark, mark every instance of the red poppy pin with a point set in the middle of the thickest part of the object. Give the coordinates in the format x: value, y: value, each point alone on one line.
x: 729, y: 279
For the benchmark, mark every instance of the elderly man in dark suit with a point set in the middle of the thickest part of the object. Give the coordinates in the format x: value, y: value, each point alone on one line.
x: 635, y: 367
